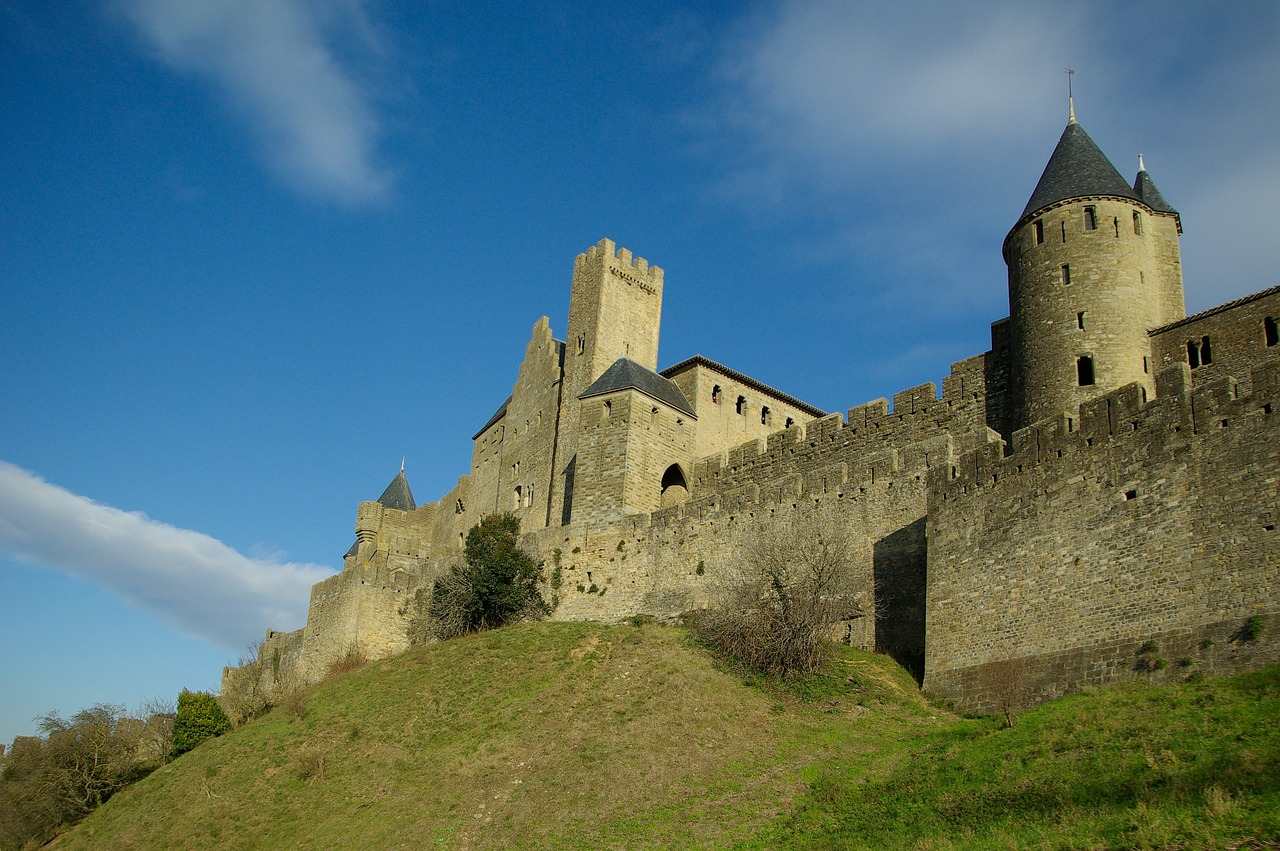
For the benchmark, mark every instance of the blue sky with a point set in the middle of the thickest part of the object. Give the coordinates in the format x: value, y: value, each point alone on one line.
x: 251, y: 254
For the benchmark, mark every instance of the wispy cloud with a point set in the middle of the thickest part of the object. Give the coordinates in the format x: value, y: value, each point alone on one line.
x: 198, y: 584
x: 275, y: 63
x: 929, y: 121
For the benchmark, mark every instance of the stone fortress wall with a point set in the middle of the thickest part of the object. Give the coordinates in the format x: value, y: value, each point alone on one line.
x: 1023, y: 534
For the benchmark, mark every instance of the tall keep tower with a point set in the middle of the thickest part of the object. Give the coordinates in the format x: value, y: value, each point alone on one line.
x: 1093, y: 265
x: 615, y: 308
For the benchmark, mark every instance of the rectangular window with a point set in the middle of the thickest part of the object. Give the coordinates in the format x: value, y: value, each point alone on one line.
x: 1080, y: 320
x: 1193, y: 354
x: 1066, y: 274
x: 1090, y: 218
x: 1084, y: 371
x: 1271, y: 331
x: 1137, y: 223
x: 1039, y: 233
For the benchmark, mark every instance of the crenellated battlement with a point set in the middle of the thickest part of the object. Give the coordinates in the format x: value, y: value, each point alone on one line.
x: 621, y: 261
x: 1123, y: 422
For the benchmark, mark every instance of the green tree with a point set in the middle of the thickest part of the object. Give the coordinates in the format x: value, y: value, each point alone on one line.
x: 199, y: 718
x: 497, y: 584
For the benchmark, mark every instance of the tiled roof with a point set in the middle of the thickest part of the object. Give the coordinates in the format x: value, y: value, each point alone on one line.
x: 397, y: 494
x: 1146, y: 189
x: 1077, y: 168
x: 627, y: 374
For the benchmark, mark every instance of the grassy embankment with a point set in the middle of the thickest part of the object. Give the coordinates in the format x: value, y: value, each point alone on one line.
x: 587, y: 736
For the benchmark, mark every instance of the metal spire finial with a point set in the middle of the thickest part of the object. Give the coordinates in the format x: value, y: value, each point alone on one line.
x: 402, y: 463
x: 1071, y: 101
x: 1141, y: 165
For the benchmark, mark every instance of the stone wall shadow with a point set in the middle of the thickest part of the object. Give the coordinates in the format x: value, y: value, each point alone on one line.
x: 899, y: 566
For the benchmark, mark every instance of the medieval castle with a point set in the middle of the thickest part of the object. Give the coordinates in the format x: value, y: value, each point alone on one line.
x: 1097, y: 490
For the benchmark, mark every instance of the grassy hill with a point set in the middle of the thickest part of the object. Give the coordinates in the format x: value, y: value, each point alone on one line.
x: 588, y: 736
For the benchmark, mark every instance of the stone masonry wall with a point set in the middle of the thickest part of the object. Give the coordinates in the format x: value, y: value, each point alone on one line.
x: 1088, y: 292
x: 1237, y: 334
x: 1136, y: 522
x: 714, y: 397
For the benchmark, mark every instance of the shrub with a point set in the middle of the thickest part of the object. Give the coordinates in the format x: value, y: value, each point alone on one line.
x: 199, y: 718
x: 794, y: 582
x: 353, y: 660
x: 246, y: 687
x: 497, y: 584
x: 1252, y: 629
x: 79, y: 764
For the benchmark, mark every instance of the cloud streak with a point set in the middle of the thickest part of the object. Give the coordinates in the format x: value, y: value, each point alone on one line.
x: 925, y: 109
x: 194, y: 582
x: 271, y: 59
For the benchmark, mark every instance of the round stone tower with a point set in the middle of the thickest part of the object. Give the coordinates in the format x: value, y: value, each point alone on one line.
x: 1093, y: 265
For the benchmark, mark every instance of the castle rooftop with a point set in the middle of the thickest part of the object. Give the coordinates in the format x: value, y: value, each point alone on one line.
x: 1077, y: 169
x: 627, y: 374
x: 398, y: 495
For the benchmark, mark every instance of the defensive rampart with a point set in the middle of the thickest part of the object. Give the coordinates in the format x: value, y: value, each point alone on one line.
x: 1138, y: 538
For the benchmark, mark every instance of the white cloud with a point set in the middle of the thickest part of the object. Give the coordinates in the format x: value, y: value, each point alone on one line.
x: 927, y: 123
x: 198, y: 584
x: 273, y: 61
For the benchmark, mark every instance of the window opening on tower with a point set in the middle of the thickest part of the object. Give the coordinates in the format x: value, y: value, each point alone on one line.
x: 1084, y: 371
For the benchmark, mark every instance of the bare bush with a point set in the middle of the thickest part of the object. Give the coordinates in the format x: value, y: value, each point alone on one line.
x: 776, y: 610
x: 246, y: 692
x: 353, y: 660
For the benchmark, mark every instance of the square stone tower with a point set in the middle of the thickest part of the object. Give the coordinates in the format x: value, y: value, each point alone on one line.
x: 615, y: 309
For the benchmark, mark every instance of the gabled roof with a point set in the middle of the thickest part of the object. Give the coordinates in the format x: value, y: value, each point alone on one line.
x: 626, y: 374
x: 1077, y: 168
x: 699, y: 360
x: 398, y: 495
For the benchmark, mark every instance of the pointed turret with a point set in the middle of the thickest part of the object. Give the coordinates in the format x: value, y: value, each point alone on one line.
x: 1146, y: 189
x: 397, y: 494
x: 1077, y: 169
x: 1093, y: 264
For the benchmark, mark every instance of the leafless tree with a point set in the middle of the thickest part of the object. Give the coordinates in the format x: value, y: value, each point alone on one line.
x: 797, y: 578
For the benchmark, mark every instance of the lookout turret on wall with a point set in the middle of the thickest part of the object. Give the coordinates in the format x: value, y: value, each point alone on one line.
x: 1093, y: 265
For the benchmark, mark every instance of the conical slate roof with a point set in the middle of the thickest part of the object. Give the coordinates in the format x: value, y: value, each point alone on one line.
x: 397, y: 494
x: 1077, y: 168
x: 1146, y: 189
x: 627, y: 374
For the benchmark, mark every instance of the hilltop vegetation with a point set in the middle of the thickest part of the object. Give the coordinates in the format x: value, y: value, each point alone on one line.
x: 586, y: 736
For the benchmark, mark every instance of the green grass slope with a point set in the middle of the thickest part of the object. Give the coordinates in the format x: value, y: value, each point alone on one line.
x: 589, y: 736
